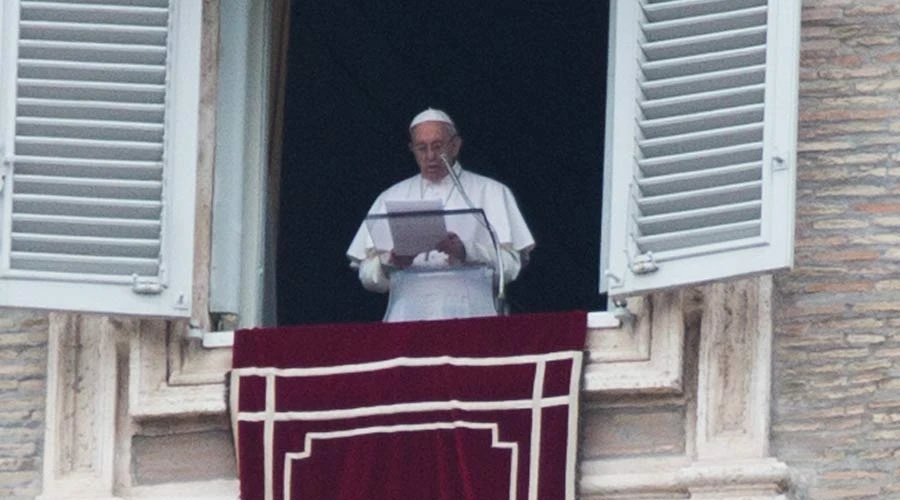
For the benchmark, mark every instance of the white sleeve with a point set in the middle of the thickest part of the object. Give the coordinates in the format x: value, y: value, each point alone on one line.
x: 511, y: 258
x: 372, y: 275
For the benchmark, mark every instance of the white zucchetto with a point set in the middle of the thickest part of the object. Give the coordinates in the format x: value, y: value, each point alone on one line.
x: 431, y: 115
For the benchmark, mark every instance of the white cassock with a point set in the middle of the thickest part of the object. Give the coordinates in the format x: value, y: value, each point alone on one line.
x: 500, y: 209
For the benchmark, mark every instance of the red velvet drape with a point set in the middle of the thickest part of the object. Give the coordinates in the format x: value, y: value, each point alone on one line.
x: 475, y: 409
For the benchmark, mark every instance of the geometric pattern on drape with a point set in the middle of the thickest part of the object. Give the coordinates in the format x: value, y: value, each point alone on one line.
x: 482, y: 408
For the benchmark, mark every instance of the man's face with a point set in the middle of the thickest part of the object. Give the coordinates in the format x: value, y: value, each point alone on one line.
x: 428, y: 141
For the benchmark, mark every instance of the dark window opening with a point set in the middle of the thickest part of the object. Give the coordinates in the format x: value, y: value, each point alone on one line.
x: 523, y: 79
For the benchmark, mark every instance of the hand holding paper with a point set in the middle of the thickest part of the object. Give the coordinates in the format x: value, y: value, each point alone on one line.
x: 423, y: 234
x: 453, y: 247
x: 400, y: 261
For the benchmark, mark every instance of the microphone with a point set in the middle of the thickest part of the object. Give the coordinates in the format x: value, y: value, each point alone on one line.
x: 455, y: 177
x: 501, y: 284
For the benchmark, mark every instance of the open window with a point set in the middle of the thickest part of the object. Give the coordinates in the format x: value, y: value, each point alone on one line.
x: 524, y: 82
x: 98, y: 121
x: 700, y: 104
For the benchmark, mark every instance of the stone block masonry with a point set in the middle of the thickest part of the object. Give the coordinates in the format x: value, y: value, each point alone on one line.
x: 23, y: 366
x: 836, y: 409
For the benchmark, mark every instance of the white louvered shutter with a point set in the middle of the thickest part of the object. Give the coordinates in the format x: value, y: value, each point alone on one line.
x: 99, y: 122
x: 701, y: 141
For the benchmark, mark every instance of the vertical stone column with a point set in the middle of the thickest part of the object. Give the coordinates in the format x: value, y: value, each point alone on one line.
x: 79, y: 438
x: 733, y: 396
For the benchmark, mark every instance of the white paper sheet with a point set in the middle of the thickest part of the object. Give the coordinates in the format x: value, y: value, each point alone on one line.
x: 419, y: 233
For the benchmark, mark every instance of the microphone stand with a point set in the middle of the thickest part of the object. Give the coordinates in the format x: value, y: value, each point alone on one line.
x: 501, y: 280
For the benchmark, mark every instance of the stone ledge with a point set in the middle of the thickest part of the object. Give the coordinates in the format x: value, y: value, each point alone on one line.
x: 762, y: 479
x: 208, y: 399
x: 223, y: 489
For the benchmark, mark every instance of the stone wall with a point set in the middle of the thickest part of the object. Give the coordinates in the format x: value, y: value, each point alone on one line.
x: 836, y: 408
x: 23, y: 365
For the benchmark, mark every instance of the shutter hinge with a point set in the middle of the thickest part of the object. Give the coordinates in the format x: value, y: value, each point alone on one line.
x: 5, y: 167
x: 778, y: 163
x: 644, y: 264
x: 146, y: 286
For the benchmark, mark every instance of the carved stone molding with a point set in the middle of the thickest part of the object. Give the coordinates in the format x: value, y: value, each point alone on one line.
x: 104, y: 374
x: 80, y: 433
x: 631, y: 478
x: 641, y: 356
x: 168, y: 378
x: 677, y: 477
x: 757, y: 479
x: 727, y: 453
x: 734, y: 383
x: 190, y: 363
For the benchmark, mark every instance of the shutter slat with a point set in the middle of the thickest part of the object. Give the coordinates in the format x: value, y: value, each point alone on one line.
x: 83, y: 109
x: 83, y: 264
x: 698, y: 237
x: 703, y: 102
x: 134, y: 3
x: 719, y: 22
x: 95, y: 187
x: 698, y: 161
x: 83, y: 148
x: 86, y: 226
x: 705, y: 63
x: 86, y: 207
x: 700, y: 218
x: 692, y: 122
x: 87, y: 245
x: 87, y: 169
x: 106, y: 130
x: 700, y: 198
x: 92, y: 91
x: 703, y: 179
x: 702, y: 140
x: 37, y: 69
x: 95, y: 12
x: 704, y: 82
x: 93, y: 52
x: 693, y: 45
x: 92, y: 32
x: 76, y: 143
x: 112, y: 87
x: 675, y: 9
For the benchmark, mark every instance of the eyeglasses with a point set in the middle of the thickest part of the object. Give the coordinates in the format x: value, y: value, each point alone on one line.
x: 436, y: 147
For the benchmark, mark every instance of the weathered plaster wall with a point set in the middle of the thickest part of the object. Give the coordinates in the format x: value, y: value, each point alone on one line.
x: 836, y: 410
x: 23, y: 364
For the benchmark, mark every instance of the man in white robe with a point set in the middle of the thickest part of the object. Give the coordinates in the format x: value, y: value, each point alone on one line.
x: 435, y: 144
